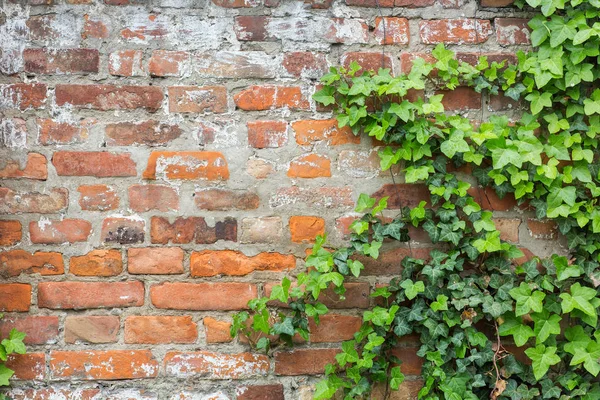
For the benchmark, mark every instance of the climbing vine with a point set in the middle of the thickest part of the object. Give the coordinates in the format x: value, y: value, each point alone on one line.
x: 13, y: 344
x: 474, y: 291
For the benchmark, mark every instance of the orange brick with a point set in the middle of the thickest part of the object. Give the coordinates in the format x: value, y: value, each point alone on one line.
x: 10, y: 232
x: 97, y: 263
x: 305, y: 228
x: 235, y: 263
x: 103, y: 365
x: 258, y: 98
x: 155, y: 260
x: 309, y: 132
x: 16, y: 262
x: 160, y: 329
x: 214, y: 365
x: 217, y: 331
x: 310, y: 166
x: 187, y: 165
x: 36, y: 167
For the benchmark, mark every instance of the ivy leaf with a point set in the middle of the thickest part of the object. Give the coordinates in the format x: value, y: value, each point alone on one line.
x: 579, y: 299
x: 325, y: 95
x: 355, y: 267
x: 589, y: 356
x: 323, y: 390
x: 542, y: 358
x: 364, y: 203
x: 564, y: 270
x: 539, y: 101
x: 396, y: 378
x: 545, y: 325
x: 527, y: 300
x: 441, y: 303
x: 412, y: 289
x: 514, y: 326
x: 5, y: 375
x: 348, y: 354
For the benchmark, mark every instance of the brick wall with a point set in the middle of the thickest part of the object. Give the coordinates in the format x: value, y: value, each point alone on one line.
x: 162, y: 163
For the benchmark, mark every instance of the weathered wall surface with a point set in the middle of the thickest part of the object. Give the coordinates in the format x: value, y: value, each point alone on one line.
x: 162, y: 163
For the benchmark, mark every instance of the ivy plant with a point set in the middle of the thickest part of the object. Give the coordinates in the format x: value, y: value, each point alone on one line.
x: 491, y: 323
x: 13, y: 344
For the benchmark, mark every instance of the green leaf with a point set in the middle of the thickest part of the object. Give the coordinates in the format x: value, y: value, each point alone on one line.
x: 579, y: 299
x: 396, y: 378
x: 412, y: 289
x: 527, y: 300
x: 5, y: 375
x: 542, y: 358
x: 545, y: 324
x: 355, y: 267
x: 514, y: 326
x: 364, y: 203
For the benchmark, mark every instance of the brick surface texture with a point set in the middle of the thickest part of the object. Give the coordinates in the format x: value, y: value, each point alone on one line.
x: 162, y: 162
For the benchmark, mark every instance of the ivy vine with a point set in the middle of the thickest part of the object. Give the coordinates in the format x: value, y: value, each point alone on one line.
x: 471, y: 294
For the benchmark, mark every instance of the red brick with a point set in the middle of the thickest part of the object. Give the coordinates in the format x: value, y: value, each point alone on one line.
x: 235, y: 263
x: 396, y: 30
x: 92, y: 328
x: 94, y: 29
x: 411, y: 362
x: 40, y: 329
x: 460, y: 99
x: 15, y: 297
x: 309, y: 132
x: 98, y: 198
x: 126, y: 63
x: 10, y: 232
x: 202, y: 296
x: 214, y: 365
x: 305, y: 64
x: 52, y: 132
x: 28, y: 366
x: 369, y: 61
x: 261, y: 392
x: 35, y: 167
x: 169, y: 63
x: 97, y: 263
x: 100, y: 164
x: 12, y: 202
x: 267, y: 134
x: 109, y: 97
x: 16, y: 262
x: 306, y: 229
x: 192, y: 230
x: 489, y: 200
x: 82, y: 295
x: 347, y: 31
x: 23, y: 95
x: 252, y: 28
x: 53, y: 393
x: 403, y: 195
x: 155, y: 260
x: 160, y: 329
x: 334, y: 328
x: 102, y: 365
x: 217, y: 331
x: 225, y: 199
x: 310, y: 166
x: 123, y: 230
x: 149, y: 133
x: 496, y: 3
x: 542, y: 229
x: 512, y: 31
x: 259, y: 98
x: 326, y: 197
x: 61, y: 61
x: 196, y: 99
x: 304, y: 361
x: 236, y: 3
x: 455, y: 31
x: 235, y: 64
x: 187, y: 165
x: 59, y: 231
x: 509, y: 228
x: 144, y: 198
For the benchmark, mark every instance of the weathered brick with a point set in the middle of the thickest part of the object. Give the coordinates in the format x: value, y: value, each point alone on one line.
x: 455, y: 31
x: 100, y: 164
x: 217, y: 331
x: 95, y: 28
x: 59, y: 231
x: 260, y: 392
x: 259, y: 98
x: 16, y: 262
x: 82, y: 295
x: 512, y: 31
x: 403, y: 195
x: 303, y: 64
x: 123, y: 230
x: 144, y: 27
x: 169, y: 63
x: 334, y: 328
x: 309, y: 132
x: 267, y: 134
x: 35, y: 167
x: 51, y: 132
x: 252, y: 28
x: 305, y: 228
x: 53, y: 393
x: 304, y: 361
x: 15, y: 297
x: 259, y: 168
x: 12, y: 202
x: 13, y: 132
x: 97, y: 263
x: 235, y: 64
x: 261, y: 230
x: 509, y: 228
x: 61, y: 61
x: 225, y: 199
x: 326, y: 197
x: 10, y: 232
x: 40, y: 329
x: 202, y: 296
x: 23, y: 96
x: 346, y: 31
x: 160, y: 329
x: 187, y: 165
x: 214, y: 365
x: 155, y: 260
x: 310, y: 166
x: 236, y: 3
x: 126, y: 63
x: 235, y: 263
x: 98, y: 198
x: 103, y: 365
x: 192, y: 230
x: 91, y: 328
x: 368, y: 60
x: 109, y: 97
x: 396, y: 30
x: 500, y: 102
x: 545, y: 229
x: 461, y: 98
x: 144, y: 198
x: 196, y: 99
x: 30, y: 366
x: 489, y: 200
x: 359, y: 164
x: 149, y: 133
